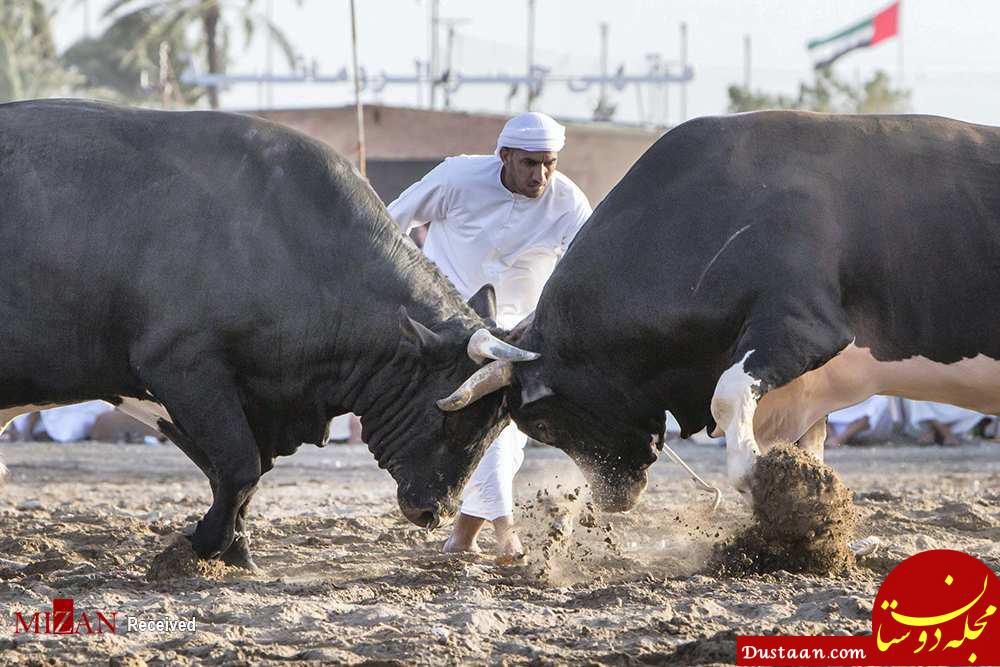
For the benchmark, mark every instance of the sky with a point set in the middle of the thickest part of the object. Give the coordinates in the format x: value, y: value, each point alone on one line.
x: 948, y: 51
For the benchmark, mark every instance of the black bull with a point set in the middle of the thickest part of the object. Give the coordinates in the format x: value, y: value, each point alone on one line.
x: 755, y: 272
x: 241, y: 281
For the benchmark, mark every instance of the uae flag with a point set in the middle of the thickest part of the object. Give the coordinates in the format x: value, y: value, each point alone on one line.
x: 861, y: 35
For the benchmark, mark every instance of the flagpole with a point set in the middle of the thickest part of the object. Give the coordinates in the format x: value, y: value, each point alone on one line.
x: 899, y: 40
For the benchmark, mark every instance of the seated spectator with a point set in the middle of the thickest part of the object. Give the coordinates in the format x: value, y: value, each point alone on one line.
x: 94, y: 420
x: 871, y: 420
x: 67, y: 423
x: 940, y: 423
x: 115, y: 426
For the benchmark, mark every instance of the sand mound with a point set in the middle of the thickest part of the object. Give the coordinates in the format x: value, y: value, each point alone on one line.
x: 180, y: 560
x: 803, y: 519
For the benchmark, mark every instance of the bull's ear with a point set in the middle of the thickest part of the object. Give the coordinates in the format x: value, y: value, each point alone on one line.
x: 535, y: 391
x: 484, y: 302
x: 425, y: 339
x: 531, y: 379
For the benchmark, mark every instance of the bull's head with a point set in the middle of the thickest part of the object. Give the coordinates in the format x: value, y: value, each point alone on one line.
x: 431, y: 445
x: 612, y: 453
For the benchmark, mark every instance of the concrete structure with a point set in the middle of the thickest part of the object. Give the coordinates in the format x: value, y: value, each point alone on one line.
x: 403, y: 144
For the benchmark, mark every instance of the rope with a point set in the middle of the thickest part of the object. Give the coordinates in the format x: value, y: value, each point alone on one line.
x: 698, y: 481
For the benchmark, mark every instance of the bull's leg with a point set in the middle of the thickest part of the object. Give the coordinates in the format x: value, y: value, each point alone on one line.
x: 733, y: 406
x: 781, y: 342
x: 238, y: 554
x: 206, y: 408
x: 814, y: 439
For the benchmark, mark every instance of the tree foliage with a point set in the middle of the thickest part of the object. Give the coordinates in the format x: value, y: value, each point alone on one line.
x: 828, y: 93
x: 209, y: 19
x: 29, y: 66
x: 121, y: 60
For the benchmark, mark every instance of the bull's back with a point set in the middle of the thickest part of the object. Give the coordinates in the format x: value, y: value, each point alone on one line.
x: 900, y: 215
x: 919, y: 255
x: 121, y: 225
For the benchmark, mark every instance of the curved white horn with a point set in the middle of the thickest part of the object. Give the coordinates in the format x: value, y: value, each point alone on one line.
x: 494, y: 375
x: 483, y: 345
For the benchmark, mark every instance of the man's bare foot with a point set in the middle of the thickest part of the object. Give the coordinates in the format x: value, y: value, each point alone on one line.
x: 452, y: 546
x: 509, y: 548
x: 464, y: 535
x: 943, y: 434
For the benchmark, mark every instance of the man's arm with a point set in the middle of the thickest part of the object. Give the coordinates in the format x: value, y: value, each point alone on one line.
x: 581, y: 213
x: 424, y: 201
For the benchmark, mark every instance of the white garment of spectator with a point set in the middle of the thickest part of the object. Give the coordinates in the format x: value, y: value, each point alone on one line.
x: 481, y: 232
x: 67, y: 423
x: 883, y: 415
x: 960, y: 420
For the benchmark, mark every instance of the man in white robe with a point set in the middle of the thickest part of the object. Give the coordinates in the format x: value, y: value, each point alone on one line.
x: 940, y: 423
x: 67, y: 423
x: 872, y: 420
x: 503, y: 219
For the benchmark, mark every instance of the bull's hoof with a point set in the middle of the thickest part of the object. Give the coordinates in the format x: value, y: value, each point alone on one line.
x: 238, y: 555
x: 211, y: 544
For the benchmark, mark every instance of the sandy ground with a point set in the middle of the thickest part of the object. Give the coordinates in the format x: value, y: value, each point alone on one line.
x: 345, y: 580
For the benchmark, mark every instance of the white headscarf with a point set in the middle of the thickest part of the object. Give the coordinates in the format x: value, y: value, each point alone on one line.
x: 532, y: 131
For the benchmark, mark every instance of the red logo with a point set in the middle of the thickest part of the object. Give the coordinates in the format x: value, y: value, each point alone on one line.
x: 935, y: 608
x: 63, y: 621
x: 938, y: 608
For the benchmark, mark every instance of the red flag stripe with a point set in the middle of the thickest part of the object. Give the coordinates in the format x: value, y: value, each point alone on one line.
x: 886, y: 24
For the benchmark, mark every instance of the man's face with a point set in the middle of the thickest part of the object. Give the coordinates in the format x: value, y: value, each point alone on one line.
x: 527, y: 173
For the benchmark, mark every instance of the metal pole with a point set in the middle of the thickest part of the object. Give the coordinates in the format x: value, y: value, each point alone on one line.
x: 531, y: 55
x: 654, y: 91
x: 899, y: 39
x: 420, y: 87
x: 357, y: 91
x: 448, y: 53
x: 435, y: 6
x: 666, y: 99
x: 604, y: 63
x: 269, y: 55
x: 746, y: 62
x: 684, y: 63
x: 638, y: 103
x: 449, y: 57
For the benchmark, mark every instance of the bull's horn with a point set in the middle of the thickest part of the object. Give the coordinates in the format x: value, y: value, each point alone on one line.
x: 494, y: 375
x: 483, y: 345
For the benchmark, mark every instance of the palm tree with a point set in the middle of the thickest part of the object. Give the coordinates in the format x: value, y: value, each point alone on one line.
x: 165, y: 17
x: 28, y: 63
x: 115, y: 65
